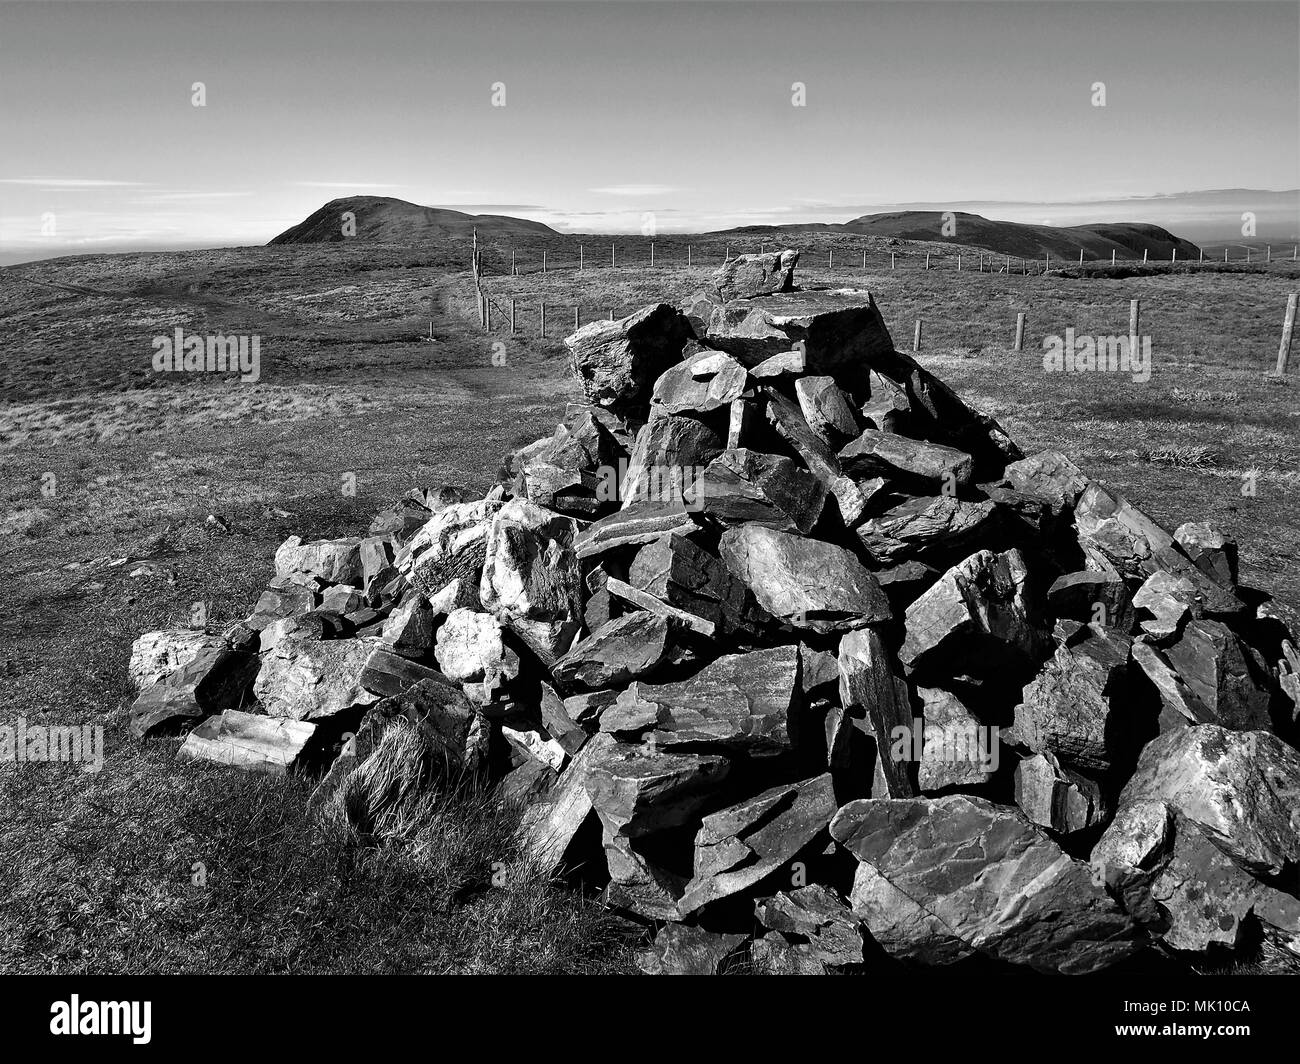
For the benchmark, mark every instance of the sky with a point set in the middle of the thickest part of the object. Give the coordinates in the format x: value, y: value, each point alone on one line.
x: 616, y: 110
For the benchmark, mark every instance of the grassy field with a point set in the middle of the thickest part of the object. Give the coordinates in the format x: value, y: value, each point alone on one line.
x: 108, y: 472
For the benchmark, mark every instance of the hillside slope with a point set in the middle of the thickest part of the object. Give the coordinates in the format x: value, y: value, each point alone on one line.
x: 1027, y: 241
x: 384, y: 219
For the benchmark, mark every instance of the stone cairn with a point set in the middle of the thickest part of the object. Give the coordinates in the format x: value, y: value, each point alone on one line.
x: 819, y: 663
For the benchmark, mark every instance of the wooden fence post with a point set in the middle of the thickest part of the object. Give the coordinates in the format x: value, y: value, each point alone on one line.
x: 1112, y: 257
x: 1081, y: 256
x: 543, y: 319
x: 927, y: 260
x: 611, y: 253
x: 611, y: 313
x: 830, y: 259
x: 1144, y: 254
x: 891, y: 260
x: 1268, y: 253
x: 1173, y: 257
x: 579, y: 257
x: 1284, y: 351
x: 916, y: 336
x: 487, y: 314
x: 575, y: 319
x: 1047, y: 262
x: 512, y: 316
x: 652, y: 253
x: 1134, y: 312
x: 1020, y: 330
x: 688, y: 254
x: 959, y: 262
x: 543, y: 262
x: 864, y: 260
x: 513, y: 271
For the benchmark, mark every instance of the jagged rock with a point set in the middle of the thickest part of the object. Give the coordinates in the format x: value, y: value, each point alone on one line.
x: 1179, y: 706
x: 436, y: 707
x: 531, y: 580
x: 738, y: 846
x: 401, y: 520
x: 742, y: 486
x: 957, y: 750
x: 680, y: 949
x: 574, y: 471
x: 1049, y: 476
x: 1210, y: 550
x: 249, y: 741
x: 910, y: 462
x: 214, y: 678
x: 903, y: 583
x: 1240, y: 788
x: 776, y: 954
x: 667, y: 460
x: 783, y: 364
x: 617, y: 362
x: 600, y: 607
x: 677, y: 571
x: 1116, y: 534
x: 788, y: 420
x: 1053, y: 798
x: 975, y: 620
x: 312, y: 679
x: 1217, y: 670
x: 388, y: 673
x: 923, y: 527
x: 698, y: 309
x: 155, y: 655
x: 643, y: 600
x: 746, y: 276
x: 336, y: 561
x: 558, y: 724
x: 827, y: 409
x: 831, y: 932
x: 839, y: 333
x: 461, y: 593
x: 1090, y: 597
x: 409, y: 628
x: 532, y: 745
x: 585, y: 707
x: 741, y: 702
x: 637, y: 792
x: 940, y: 879
x: 284, y: 598
x: 450, y: 547
x: 527, y: 785
x: 805, y: 583
x: 640, y: 522
x: 705, y: 381
x: 548, y: 827
x: 469, y: 648
x: 1169, y: 599
x: 869, y: 685
x: 340, y: 599
x: 625, y: 648
x: 636, y: 883
x: 1072, y: 707
x: 741, y: 418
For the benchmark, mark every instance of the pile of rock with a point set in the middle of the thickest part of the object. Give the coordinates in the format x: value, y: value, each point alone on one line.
x: 802, y: 658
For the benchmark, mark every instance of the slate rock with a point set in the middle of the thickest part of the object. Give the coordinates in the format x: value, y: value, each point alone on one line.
x: 636, y: 792
x: 906, y: 461
x: 1210, y: 550
x: 703, y: 382
x: 333, y: 561
x: 1050, y: 476
x: 621, y: 650
x: 214, y: 679
x: 940, y: 879
x: 976, y: 620
x: 957, y: 750
x: 827, y: 409
x: 637, y: 523
x: 531, y: 579
x: 667, y: 460
x: 680, y: 949
x: 738, y: 846
x: 745, y: 276
x: 1092, y: 597
x: 248, y: 741
x: 820, y: 918
x: 1078, y: 707
x: 677, y: 571
x: 450, y: 547
x: 869, y: 686
x: 617, y: 362
x: 924, y: 527
x: 313, y: 679
x: 742, y: 486
x: 787, y: 419
x: 1054, y: 798
x: 1218, y: 670
x: 548, y: 827
x: 155, y: 655
x: 802, y: 582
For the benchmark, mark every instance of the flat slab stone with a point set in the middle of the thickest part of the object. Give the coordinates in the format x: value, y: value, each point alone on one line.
x: 248, y: 741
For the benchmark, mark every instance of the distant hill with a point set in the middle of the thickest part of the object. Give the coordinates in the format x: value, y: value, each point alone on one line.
x: 1027, y: 241
x: 384, y: 219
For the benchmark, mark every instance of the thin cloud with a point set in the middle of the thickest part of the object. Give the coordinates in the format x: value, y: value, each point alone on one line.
x: 69, y: 184
x: 635, y: 190
x: 342, y: 184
